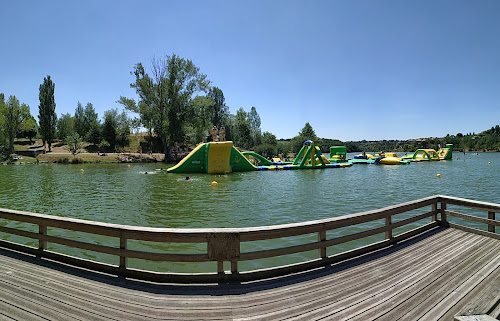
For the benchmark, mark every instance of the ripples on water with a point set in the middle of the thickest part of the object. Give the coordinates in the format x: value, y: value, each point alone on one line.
x: 117, y: 193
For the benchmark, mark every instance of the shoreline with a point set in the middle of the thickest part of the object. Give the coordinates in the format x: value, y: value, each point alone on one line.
x: 88, y: 158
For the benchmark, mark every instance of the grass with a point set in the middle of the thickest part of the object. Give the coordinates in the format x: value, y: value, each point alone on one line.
x: 60, y: 153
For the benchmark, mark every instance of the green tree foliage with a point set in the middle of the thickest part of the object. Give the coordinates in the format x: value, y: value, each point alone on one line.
x: 12, y: 116
x: 74, y: 144
x: 165, y: 97
x: 116, y: 129
x: 80, y: 120
x: 242, y: 130
x: 217, y: 109
x: 254, y: 120
x: 3, y: 136
x: 47, y: 112
x: 92, y: 124
x: 306, y: 133
x: 87, y: 123
x: 269, y: 146
x: 29, y: 127
x: 200, y: 119
x: 66, y: 126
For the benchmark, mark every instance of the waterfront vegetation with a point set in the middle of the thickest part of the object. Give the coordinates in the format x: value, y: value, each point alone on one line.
x: 177, y: 107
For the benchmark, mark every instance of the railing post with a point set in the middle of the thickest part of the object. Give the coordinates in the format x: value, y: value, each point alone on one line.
x: 444, y: 219
x: 491, y: 216
x: 434, y: 208
x: 123, y: 257
x: 220, y: 267
x: 42, y: 244
x: 388, y: 222
x: 224, y: 247
x: 321, y: 238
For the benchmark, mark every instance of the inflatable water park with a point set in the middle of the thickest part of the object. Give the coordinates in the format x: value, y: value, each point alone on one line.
x: 223, y: 157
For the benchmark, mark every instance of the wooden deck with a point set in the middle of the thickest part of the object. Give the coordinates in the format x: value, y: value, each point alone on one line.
x: 436, y: 275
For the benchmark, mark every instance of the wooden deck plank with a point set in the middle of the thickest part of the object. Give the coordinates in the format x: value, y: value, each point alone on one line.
x: 362, y: 288
x: 337, y: 297
x: 461, y: 291
x: 355, y: 273
x: 439, y: 293
x: 427, y: 288
x: 373, y: 294
x: 480, y: 300
x: 410, y: 297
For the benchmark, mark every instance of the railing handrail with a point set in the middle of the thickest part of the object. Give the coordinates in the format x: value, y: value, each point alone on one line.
x: 223, y: 244
x: 196, y: 235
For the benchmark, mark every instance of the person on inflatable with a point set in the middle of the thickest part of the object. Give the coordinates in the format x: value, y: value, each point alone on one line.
x: 214, y: 133
x: 222, y: 134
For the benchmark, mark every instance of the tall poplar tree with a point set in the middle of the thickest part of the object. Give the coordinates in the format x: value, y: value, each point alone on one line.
x: 47, y: 112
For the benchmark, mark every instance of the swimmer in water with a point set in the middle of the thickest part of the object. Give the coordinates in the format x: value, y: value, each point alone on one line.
x: 187, y: 178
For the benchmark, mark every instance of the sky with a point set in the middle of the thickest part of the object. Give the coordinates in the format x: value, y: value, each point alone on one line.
x: 355, y: 70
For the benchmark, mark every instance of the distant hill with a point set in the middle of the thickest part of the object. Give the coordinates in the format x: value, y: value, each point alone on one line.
x: 488, y: 140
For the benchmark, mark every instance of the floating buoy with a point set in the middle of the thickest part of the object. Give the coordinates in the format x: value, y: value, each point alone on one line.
x: 81, y: 170
x: 489, y: 163
x: 438, y: 175
x: 214, y: 183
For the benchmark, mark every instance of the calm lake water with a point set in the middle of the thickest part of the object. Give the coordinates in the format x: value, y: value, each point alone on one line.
x: 117, y: 193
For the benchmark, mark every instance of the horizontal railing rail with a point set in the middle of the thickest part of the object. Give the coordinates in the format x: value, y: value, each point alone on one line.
x: 224, y: 244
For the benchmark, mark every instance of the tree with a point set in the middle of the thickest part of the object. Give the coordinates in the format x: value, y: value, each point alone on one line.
x: 47, y: 112
x: 2, y: 121
x: 12, y: 116
x: 200, y: 119
x: 218, y: 109
x: 92, y: 125
x: 75, y: 144
x: 87, y: 123
x: 80, y: 120
x: 307, y: 133
x: 66, y: 126
x: 116, y: 129
x: 254, y: 120
x: 166, y: 96
x: 242, y: 135
x: 28, y: 127
x: 269, y: 138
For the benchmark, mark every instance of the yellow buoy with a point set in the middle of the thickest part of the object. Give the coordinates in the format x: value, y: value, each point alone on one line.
x: 489, y: 163
x: 214, y: 183
x: 438, y: 175
x: 81, y: 170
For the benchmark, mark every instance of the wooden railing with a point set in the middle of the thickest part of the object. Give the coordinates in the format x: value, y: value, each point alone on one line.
x: 224, y: 244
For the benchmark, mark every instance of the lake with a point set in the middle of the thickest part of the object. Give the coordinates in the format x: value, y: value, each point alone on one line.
x: 123, y: 194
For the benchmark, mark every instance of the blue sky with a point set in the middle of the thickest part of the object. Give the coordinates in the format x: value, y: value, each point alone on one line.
x: 355, y: 70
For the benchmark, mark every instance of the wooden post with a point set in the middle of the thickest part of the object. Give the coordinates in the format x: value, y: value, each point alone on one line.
x: 123, y: 258
x: 220, y: 267
x: 434, y: 208
x: 322, y: 237
x: 224, y: 247
x: 234, y: 266
x: 444, y: 219
x: 491, y: 216
x: 388, y: 222
x: 42, y: 244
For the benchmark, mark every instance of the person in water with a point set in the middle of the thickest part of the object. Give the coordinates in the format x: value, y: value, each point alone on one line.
x: 187, y: 178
